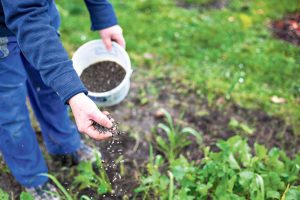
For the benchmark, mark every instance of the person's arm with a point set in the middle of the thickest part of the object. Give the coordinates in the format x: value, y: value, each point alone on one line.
x: 104, y: 20
x: 40, y: 44
x: 101, y: 13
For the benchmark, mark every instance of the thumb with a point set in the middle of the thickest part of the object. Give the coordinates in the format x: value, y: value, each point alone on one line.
x: 107, y: 42
x: 102, y: 119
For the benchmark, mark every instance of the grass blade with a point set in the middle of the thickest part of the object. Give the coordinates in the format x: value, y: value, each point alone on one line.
x: 171, y: 187
x: 59, y: 185
x: 198, y: 135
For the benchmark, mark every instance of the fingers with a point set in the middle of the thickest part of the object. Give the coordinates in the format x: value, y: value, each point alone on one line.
x: 107, y: 113
x: 102, y: 119
x: 107, y: 42
x: 113, y: 33
x: 93, y: 133
x: 120, y: 40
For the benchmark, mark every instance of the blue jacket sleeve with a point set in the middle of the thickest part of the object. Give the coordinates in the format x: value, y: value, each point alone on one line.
x: 101, y: 13
x: 40, y: 44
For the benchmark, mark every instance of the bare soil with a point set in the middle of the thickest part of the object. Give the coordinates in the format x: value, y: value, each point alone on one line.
x: 138, y: 116
x: 288, y: 28
x: 208, y: 4
x: 102, y: 76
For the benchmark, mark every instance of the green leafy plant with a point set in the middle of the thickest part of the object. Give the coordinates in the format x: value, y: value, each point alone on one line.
x: 176, y: 137
x: 66, y: 194
x: 88, y: 178
x: 154, y: 183
x: 3, y: 195
x: 240, y: 127
x: 26, y: 196
x: 233, y: 172
x: 142, y: 96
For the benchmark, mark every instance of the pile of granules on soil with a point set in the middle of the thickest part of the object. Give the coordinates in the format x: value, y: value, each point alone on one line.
x: 102, y: 76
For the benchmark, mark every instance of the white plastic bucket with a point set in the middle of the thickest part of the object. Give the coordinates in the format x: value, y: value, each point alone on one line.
x: 95, y: 51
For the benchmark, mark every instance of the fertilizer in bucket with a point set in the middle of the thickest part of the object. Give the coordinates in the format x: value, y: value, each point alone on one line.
x: 102, y: 76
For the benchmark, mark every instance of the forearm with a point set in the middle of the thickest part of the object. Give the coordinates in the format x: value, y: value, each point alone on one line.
x: 41, y: 46
x: 101, y: 13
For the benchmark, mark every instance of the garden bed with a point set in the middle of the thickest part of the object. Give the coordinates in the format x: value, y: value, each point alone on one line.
x: 139, y: 114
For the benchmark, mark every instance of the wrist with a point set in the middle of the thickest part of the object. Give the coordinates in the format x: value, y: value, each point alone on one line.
x: 75, y: 98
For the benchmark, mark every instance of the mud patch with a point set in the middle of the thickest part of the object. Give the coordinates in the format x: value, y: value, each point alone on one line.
x: 288, y: 28
x: 7, y: 182
x: 212, y: 119
x: 202, y: 4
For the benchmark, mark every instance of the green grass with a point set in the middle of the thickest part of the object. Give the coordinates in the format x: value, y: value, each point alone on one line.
x: 229, y: 52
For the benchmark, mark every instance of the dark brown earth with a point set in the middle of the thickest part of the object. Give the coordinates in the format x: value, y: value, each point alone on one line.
x: 208, y: 4
x: 288, y: 28
x: 102, y: 76
x: 138, y: 117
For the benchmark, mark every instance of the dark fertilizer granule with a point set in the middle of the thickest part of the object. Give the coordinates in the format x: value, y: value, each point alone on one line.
x: 114, y: 129
x: 102, y: 76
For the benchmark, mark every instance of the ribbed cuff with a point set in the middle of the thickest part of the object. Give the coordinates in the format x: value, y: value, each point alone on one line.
x: 67, y: 85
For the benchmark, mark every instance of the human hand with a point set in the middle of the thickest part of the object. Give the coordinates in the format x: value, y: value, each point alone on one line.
x: 113, y: 33
x: 85, y: 112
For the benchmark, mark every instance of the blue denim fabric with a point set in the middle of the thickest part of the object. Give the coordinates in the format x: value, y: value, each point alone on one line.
x: 18, y: 142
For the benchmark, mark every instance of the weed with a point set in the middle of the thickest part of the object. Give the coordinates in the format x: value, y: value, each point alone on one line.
x: 26, y: 196
x: 155, y: 183
x: 240, y: 127
x: 142, y: 96
x: 66, y: 194
x: 88, y: 178
x: 176, y: 137
x: 3, y: 195
x: 231, y: 173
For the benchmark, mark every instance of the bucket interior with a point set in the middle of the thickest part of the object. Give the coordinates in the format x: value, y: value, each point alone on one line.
x: 94, y: 52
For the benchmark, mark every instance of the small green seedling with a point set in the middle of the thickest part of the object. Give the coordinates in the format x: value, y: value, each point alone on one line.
x: 26, y: 196
x: 3, y: 195
x: 176, y: 137
x: 142, y: 96
x: 154, y: 182
x: 66, y: 194
x: 88, y: 178
x: 239, y: 126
